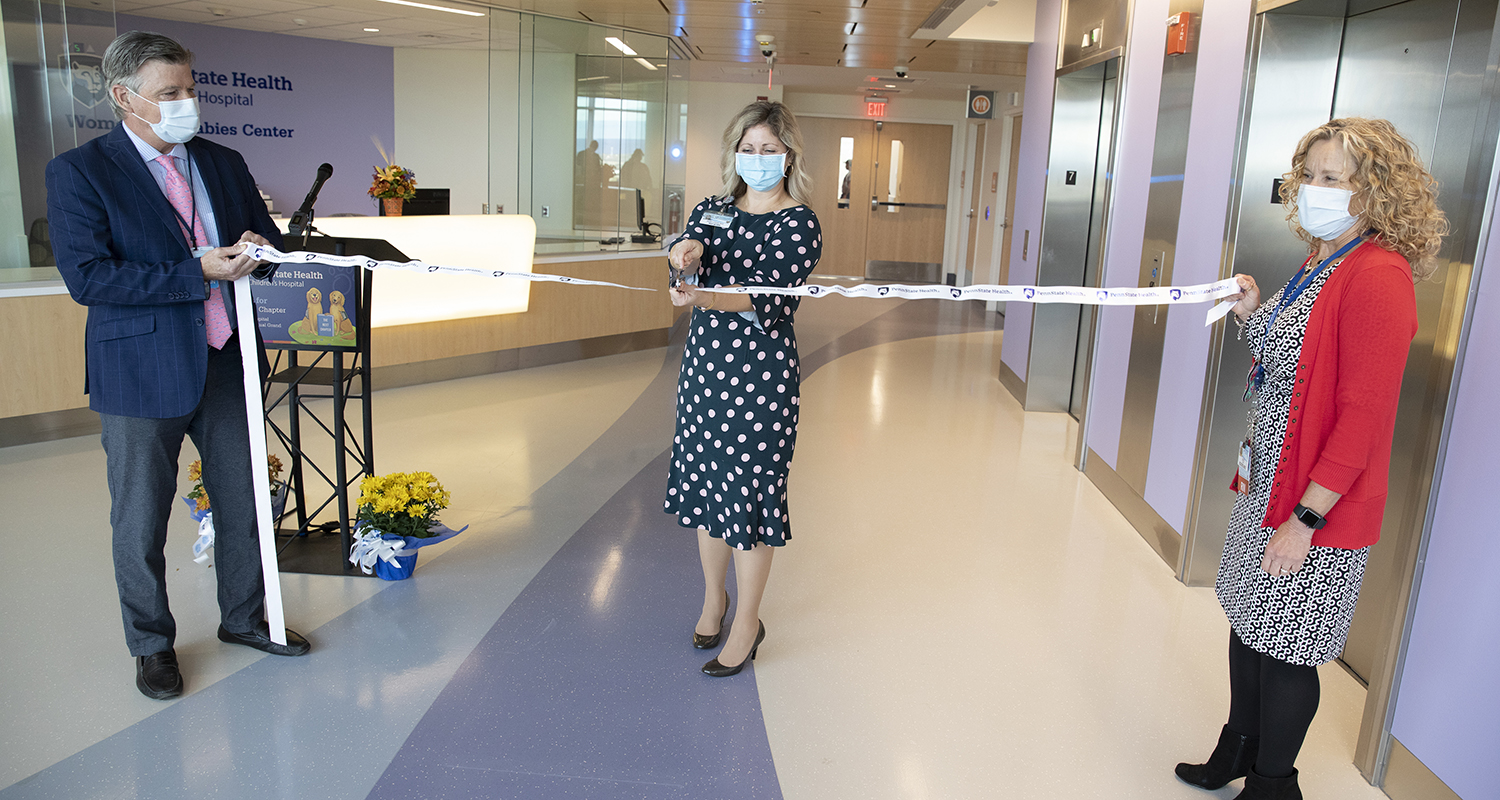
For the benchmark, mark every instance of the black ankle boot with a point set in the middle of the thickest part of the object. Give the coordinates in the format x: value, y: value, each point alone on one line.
x: 1259, y: 787
x: 1231, y: 759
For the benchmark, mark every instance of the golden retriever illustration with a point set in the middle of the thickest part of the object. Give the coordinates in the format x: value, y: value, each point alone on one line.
x: 341, y: 323
x: 314, y: 308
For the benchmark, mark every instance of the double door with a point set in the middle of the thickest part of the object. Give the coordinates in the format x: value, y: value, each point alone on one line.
x: 880, y: 190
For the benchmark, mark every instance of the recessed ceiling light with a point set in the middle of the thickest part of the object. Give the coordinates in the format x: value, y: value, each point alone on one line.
x: 888, y: 85
x: 619, y: 45
x: 647, y: 64
x: 299, y: 21
x: 435, y: 8
x: 372, y: 30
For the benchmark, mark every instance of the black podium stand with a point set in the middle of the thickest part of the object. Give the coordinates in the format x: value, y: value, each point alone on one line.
x: 337, y: 371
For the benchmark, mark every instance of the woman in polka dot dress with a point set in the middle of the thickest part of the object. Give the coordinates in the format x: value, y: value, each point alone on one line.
x: 737, y: 393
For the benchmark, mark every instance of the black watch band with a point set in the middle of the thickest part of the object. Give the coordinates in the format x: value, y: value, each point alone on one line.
x: 1309, y: 517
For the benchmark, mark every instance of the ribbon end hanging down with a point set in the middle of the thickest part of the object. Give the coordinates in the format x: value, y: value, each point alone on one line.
x: 1218, y: 312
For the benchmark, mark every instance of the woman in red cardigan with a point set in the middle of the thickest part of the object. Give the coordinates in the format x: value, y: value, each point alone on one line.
x: 1328, y: 352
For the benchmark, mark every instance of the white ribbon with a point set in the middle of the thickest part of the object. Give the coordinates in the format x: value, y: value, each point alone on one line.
x: 370, y: 546
x: 205, y: 538
x: 259, y: 252
x: 1124, y: 296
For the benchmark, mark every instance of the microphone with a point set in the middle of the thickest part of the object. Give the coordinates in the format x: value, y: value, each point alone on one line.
x: 302, y: 220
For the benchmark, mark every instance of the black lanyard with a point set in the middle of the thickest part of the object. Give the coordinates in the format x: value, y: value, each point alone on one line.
x: 1289, y: 295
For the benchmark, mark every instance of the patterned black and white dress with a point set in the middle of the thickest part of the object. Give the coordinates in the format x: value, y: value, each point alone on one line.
x: 1301, y: 618
x: 737, y: 391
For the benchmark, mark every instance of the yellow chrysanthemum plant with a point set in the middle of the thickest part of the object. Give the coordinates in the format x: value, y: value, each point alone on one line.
x: 402, y: 503
x: 197, y: 499
x: 397, y: 514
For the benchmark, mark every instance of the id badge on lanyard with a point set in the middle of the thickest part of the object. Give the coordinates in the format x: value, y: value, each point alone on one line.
x: 717, y: 219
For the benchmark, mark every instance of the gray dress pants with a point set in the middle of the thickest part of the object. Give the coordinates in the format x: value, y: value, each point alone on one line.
x: 141, y: 459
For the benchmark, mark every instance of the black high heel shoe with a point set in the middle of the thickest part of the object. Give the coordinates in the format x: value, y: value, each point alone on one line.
x: 714, y: 669
x: 710, y: 642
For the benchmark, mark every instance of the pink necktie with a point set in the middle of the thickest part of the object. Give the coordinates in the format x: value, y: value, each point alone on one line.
x: 180, y: 195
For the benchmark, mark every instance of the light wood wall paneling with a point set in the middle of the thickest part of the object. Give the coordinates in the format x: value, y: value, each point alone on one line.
x: 41, y: 355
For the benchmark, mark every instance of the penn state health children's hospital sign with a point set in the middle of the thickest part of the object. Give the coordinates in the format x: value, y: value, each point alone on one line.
x: 288, y: 104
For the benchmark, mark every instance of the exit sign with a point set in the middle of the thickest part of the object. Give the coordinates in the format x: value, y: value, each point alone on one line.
x: 875, y: 107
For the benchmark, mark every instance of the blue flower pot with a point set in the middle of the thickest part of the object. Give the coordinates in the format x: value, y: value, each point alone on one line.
x: 401, y: 570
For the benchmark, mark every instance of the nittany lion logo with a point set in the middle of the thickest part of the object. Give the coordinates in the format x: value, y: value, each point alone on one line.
x: 499, y: 273
x: 956, y: 293
x: 1030, y: 293
x: 1102, y: 295
x: 813, y: 290
x: 83, y: 74
x: 884, y: 290
x: 432, y: 268
x: 1176, y: 294
x: 309, y: 256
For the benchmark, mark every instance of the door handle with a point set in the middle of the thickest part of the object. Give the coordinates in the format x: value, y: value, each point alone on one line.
x: 874, y: 203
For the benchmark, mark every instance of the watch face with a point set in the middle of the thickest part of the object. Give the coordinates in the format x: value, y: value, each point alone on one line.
x: 1310, y: 518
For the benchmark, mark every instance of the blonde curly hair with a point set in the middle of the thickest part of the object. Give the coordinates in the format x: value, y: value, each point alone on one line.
x: 1401, y: 204
x: 783, y: 123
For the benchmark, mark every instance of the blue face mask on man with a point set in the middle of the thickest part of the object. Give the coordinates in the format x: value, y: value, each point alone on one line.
x: 761, y: 172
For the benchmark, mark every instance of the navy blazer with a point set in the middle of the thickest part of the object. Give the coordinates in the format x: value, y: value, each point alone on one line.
x: 122, y: 253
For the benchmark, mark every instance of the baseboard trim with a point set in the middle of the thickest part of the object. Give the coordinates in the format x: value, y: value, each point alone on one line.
x: 1162, y: 537
x: 49, y: 426
x: 53, y: 425
x: 1013, y: 383
x: 1407, y: 778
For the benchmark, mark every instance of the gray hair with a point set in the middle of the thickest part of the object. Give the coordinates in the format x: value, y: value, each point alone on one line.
x: 129, y: 52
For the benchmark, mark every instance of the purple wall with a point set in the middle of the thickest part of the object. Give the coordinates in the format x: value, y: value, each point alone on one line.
x: 1127, y: 225
x: 1200, y: 241
x: 333, y: 96
x: 1448, y: 705
x: 1031, y: 178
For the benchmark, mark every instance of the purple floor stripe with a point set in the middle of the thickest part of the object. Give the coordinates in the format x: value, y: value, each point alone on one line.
x: 588, y: 685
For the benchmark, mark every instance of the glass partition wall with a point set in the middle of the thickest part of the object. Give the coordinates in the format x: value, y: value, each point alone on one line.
x: 587, y: 130
x: 587, y: 126
x: 52, y: 99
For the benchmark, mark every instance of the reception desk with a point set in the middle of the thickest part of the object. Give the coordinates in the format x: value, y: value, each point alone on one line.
x: 524, y: 324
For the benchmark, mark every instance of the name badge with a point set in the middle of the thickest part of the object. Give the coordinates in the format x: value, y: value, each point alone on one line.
x: 717, y: 219
x: 199, y: 252
x: 1242, y: 475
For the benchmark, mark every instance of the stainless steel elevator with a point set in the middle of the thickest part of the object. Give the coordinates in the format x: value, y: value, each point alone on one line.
x: 1079, y: 166
x: 1421, y: 64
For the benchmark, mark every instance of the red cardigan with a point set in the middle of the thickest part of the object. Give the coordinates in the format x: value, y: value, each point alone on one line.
x: 1343, y: 413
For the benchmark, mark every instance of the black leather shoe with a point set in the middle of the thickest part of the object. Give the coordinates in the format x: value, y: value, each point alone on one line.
x: 157, y: 675
x: 1231, y: 759
x: 714, y: 669
x: 260, y: 639
x: 710, y: 642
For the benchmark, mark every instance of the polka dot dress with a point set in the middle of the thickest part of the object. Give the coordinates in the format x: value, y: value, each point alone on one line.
x: 737, y: 391
x: 1302, y: 618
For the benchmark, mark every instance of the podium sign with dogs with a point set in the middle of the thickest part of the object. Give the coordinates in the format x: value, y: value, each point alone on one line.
x: 309, y: 307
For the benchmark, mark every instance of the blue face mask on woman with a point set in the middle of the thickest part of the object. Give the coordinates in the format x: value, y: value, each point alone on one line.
x: 761, y: 173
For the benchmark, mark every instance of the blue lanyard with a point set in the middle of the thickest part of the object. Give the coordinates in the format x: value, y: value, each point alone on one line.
x: 1294, y: 290
x: 1289, y: 295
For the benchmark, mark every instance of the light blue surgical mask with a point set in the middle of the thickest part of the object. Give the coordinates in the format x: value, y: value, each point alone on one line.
x: 761, y: 173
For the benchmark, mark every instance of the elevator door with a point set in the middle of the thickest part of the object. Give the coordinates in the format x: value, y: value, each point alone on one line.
x: 880, y: 190
x: 1394, y: 65
x: 1073, y: 215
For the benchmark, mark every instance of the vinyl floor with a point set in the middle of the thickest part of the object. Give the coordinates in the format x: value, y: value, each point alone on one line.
x: 961, y: 614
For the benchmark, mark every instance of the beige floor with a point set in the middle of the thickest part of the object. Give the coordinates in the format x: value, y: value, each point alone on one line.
x: 965, y: 616
x: 961, y: 615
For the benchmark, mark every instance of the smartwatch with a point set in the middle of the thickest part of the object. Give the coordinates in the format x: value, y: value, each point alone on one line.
x: 1309, y: 517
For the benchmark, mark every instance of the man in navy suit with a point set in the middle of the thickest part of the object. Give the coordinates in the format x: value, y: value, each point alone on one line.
x: 146, y: 224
